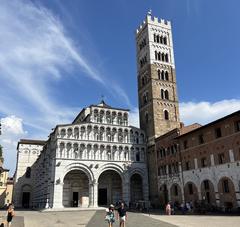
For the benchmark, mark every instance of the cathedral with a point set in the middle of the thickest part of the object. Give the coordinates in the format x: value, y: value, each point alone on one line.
x: 100, y: 159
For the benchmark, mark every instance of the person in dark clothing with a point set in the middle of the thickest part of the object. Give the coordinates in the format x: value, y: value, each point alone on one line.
x: 10, y: 214
x: 122, y: 215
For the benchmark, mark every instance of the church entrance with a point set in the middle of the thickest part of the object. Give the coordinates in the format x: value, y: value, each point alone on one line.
x: 102, y: 196
x: 109, y: 188
x: 76, y: 189
x: 25, y: 199
x: 136, y: 188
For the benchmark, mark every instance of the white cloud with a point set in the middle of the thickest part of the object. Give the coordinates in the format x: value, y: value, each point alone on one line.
x: 12, y: 131
x: 205, y: 112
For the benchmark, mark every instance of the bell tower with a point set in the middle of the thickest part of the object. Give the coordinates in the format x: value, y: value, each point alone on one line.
x: 157, y: 88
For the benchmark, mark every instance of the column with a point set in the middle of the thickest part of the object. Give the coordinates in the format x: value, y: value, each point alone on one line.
x: 91, y: 195
x: 212, y: 159
x: 58, y: 195
x: 126, y: 191
x: 95, y: 194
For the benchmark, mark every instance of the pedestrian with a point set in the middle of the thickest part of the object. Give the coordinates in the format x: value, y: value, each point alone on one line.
x: 110, y: 218
x: 10, y: 214
x: 168, y: 209
x: 122, y: 215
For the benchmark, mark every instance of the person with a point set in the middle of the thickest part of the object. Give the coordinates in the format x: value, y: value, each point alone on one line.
x: 110, y: 215
x: 168, y: 209
x: 10, y: 214
x: 122, y: 215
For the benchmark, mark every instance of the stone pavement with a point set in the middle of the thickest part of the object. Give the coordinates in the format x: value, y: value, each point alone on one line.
x: 134, y: 220
x: 199, y: 220
x: 17, y: 221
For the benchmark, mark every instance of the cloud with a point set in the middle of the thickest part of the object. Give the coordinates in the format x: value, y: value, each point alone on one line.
x: 12, y: 131
x: 134, y: 117
x: 205, y: 112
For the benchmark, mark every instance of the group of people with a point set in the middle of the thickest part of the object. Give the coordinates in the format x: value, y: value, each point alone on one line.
x: 183, y: 207
x: 10, y: 215
x: 121, y: 214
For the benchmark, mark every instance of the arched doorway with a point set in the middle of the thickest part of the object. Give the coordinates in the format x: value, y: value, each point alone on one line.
x: 208, y: 193
x: 163, y: 194
x: 191, y: 193
x: 76, y: 189
x: 109, y: 188
x: 227, y: 193
x: 136, y: 187
x: 176, y: 195
x: 26, y: 196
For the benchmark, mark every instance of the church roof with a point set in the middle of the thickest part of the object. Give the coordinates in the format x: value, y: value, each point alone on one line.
x: 104, y: 105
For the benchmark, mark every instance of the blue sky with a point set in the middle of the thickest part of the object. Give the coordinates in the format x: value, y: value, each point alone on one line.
x: 59, y: 56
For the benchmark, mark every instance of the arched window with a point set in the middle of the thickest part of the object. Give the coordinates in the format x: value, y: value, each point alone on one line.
x: 161, y: 39
x: 156, y: 55
x: 28, y: 172
x: 162, y: 94
x: 163, y: 57
x: 143, y: 81
x: 154, y: 37
x: 165, y: 40
x: 157, y: 38
x: 166, y: 58
x: 159, y: 56
x: 166, y: 75
x: 162, y: 75
x: 166, y: 94
x: 166, y: 115
x: 159, y: 74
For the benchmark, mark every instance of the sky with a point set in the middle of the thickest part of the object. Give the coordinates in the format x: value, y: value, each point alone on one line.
x: 59, y: 56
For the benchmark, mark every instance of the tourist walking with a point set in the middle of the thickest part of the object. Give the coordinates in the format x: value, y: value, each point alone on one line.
x: 110, y: 218
x: 168, y: 209
x: 122, y: 215
x: 10, y: 214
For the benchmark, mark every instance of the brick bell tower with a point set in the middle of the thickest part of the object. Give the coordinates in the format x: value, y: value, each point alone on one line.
x: 157, y: 88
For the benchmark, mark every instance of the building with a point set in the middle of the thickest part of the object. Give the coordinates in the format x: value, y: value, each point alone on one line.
x: 197, y: 164
x: 157, y: 89
x: 96, y: 160
x: 6, y: 186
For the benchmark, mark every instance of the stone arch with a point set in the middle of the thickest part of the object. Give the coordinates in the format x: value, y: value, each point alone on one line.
x: 227, y: 193
x: 176, y: 194
x: 191, y: 192
x: 110, y: 185
x: 208, y: 192
x: 76, y: 190
x: 136, y: 187
x: 26, y: 196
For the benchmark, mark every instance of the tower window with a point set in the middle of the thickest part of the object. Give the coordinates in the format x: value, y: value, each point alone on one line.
x: 162, y: 94
x: 201, y: 139
x: 165, y: 40
x: 237, y: 126
x: 143, y: 81
x: 159, y: 74
x: 166, y: 58
x: 161, y: 39
x: 166, y: 94
x: 163, y: 57
x: 162, y: 75
x: 154, y: 38
x: 166, y: 115
x: 166, y: 75
x: 221, y: 158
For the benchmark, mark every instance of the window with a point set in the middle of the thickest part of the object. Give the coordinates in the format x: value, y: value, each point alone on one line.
x: 159, y: 171
x: 166, y: 115
x: 185, y: 144
x: 159, y: 74
x: 225, y: 186
x: 137, y: 157
x: 166, y: 75
x: 218, y: 132
x: 162, y: 94
x: 190, y: 189
x: 165, y: 40
x: 237, y: 126
x: 175, y: 190
x: 221, y: 158
x: 162, y: 75
x: 28, y: 172
x: 200, y: 139
x: 204, y: 162
x: 166, y: 58
x: 187, y: 165
x: 206, y: 184
x: 166, y: 95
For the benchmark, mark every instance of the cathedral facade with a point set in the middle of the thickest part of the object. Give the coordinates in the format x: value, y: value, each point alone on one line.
x: 96, y: 160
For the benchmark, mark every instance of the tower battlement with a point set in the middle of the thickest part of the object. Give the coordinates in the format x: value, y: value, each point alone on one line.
x: 155, y: 21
